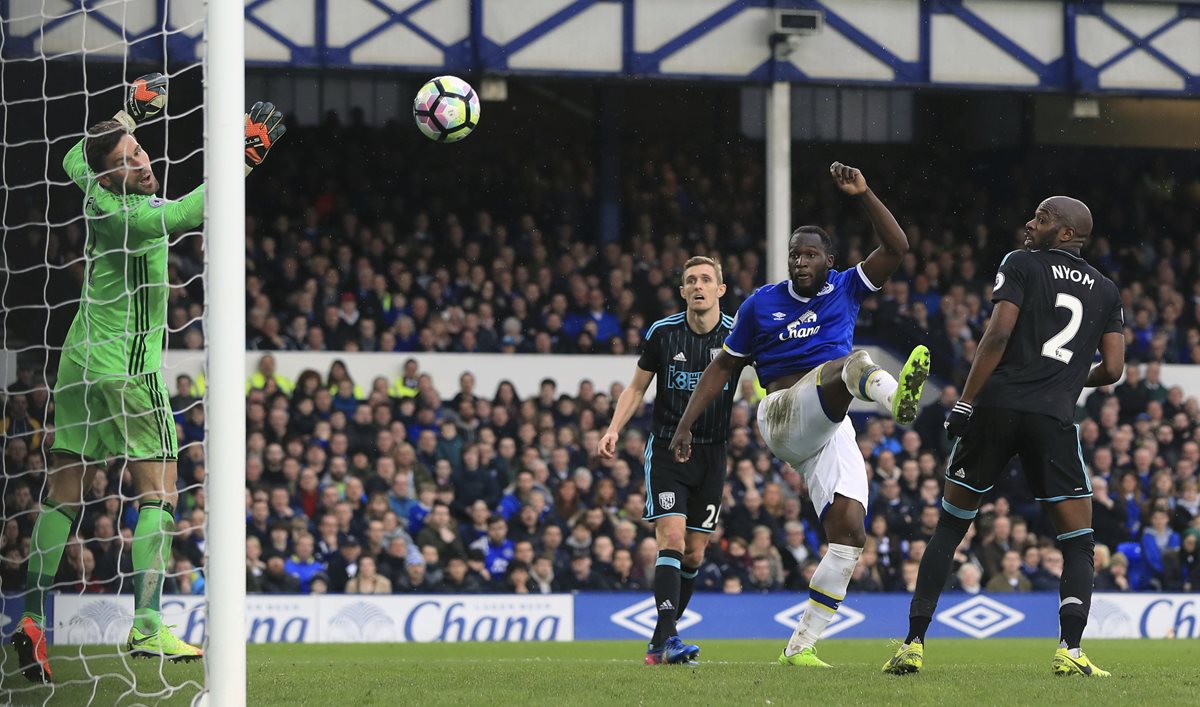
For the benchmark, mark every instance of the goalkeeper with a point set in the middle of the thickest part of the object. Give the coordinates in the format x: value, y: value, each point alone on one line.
x: 110, y: 398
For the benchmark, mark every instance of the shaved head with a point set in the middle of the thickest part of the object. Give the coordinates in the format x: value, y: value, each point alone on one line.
x: 1071, y: 213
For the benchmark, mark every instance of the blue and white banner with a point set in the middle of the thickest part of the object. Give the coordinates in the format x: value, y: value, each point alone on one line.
x: 710, y: 616
x: 105, y: 619
x: 1144, y: 616
x: 446, y: 617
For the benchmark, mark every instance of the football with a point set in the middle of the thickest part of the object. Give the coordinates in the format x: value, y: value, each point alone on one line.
x: 446, y: 109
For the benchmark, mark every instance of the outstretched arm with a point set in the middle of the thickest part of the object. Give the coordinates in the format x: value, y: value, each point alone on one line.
x: 893, y: 243
x: 145, y: 98
x: 716, y: 375
x: 158, y: 217
x: 630, y: 400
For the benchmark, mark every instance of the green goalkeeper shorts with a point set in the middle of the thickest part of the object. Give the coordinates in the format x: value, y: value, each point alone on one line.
x: 103, y: 415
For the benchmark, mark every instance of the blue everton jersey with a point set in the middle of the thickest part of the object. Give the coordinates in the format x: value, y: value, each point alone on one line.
x: 783, y: 333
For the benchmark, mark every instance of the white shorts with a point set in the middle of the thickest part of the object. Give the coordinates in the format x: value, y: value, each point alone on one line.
x: 798, y: 431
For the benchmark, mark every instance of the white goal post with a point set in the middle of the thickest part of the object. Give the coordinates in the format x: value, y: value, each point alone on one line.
x: 224, y: 98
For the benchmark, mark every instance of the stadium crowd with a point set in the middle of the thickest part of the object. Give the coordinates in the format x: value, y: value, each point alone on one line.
x: 393, y: 486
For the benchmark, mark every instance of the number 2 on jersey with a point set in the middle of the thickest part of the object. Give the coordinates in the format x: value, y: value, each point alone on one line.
x: 1055, y: 346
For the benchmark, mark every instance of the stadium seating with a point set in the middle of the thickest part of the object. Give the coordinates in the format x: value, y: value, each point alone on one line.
x: 339, y: 269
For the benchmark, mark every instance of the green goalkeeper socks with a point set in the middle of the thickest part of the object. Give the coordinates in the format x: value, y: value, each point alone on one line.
x: 151, y: 548
x: 50, y: 534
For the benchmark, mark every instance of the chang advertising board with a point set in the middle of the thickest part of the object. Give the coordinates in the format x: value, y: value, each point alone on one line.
x: 106, y: 619
x: 446, y: 618
x: 1144, y: 616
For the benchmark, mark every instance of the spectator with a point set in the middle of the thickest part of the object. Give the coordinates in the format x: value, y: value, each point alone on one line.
x: 367, y: 580
x: 1010, y: 577
x: 457, y: 579
x: 276, y: 580
x: 1189, y: 562
x: 497, y: 548
x: 440, y: 533
x: 543, y: 575
x: 303, y: 564
x: 908, y: 574
x: 1031, y: 567
x: 415, y: 580
x: 1157, y: 541
x: 581, y: 577
x: 762, y: 578
x: 1108, y: 516
x: 743, y: 518
x: 621, y: 576
x: 518, y: 496
x: 996, y: 546
x: 344, y: 565
x: 517, y: 579
x: 968, y: 578
x: 1115, y: 576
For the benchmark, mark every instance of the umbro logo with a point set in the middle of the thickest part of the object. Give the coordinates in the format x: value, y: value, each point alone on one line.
x: 980, y: 617
x: 808, y: 317
x: 642, y: 617
x: 779, y: 316
x: 679, y: 357
x: 960, y: 474
x: 846, y: 617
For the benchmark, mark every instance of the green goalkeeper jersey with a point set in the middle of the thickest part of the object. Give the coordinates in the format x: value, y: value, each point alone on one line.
x: 122, y: 315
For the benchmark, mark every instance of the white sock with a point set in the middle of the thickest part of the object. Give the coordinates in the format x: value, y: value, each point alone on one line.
x: 870, y: 382
x: 881, y: 387
x: 825, y: 595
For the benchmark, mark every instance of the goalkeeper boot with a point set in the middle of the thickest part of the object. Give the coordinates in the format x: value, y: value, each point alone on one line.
x: 676, y: 652
x: 805, y: 658
x: 30, y: 642
x: 911, y: 381
x: 161, y: 643
x: 1066, y: 664
x: 908, y: 659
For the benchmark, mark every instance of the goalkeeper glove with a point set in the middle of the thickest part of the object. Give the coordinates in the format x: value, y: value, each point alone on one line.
x: 958, y: 419
x: 145, y: 98
x: 264, y: 125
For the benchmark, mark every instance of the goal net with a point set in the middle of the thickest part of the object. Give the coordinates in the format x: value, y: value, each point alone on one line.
x: 107, y: 546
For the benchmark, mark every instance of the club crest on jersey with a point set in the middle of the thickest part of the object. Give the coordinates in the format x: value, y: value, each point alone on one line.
x: 155, y: 202
x: 826, y: 289
x: 666, y: 500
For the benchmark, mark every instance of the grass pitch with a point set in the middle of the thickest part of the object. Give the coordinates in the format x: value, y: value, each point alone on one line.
x: 957, y: 672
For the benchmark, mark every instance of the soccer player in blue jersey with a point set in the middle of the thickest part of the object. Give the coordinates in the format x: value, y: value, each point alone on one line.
x: 798, y: 335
